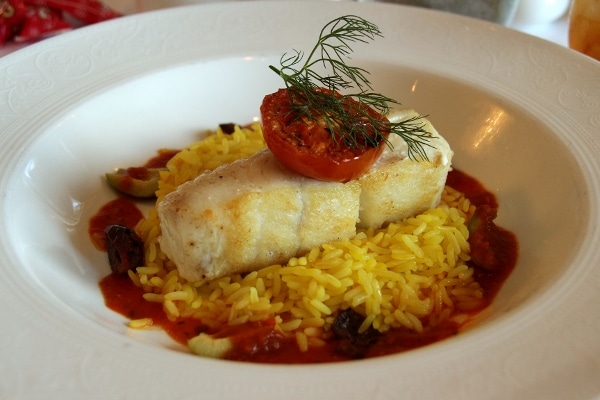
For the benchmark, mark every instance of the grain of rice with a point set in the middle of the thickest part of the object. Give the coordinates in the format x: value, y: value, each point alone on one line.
x: 290, y: 326
x: 147, y: 270
x: 313, y: 331
x: 171, y: 308
x: 196, y: 303
x: 154, y: 297
x: 156, y: 281
x: 320, y: 307
x: 140, y: 323
x: 302, y: 341
x: 178, y: 295
x: 242, y: 319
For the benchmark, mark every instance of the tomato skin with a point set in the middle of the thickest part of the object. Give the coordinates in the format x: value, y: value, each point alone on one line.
x: 308, y: 148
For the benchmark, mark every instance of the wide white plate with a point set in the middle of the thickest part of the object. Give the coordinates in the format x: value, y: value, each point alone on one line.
x: 523, y: 116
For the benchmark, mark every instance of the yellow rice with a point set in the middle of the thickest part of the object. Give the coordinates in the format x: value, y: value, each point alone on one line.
x: 411, y: 274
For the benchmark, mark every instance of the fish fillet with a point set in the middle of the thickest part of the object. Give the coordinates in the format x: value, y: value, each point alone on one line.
x: 250, y: 214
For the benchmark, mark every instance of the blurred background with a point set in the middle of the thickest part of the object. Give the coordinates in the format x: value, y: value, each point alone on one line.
x: 547, y: 19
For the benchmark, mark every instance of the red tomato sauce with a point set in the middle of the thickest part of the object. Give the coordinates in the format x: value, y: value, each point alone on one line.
x: 471, y: 188
x: 120, y: 211
x: 259, y: 342
x: 505, y: 243
x: 122, y: 296
x: 161, y: 159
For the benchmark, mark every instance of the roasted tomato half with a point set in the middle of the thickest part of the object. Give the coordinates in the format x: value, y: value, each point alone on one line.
x: 307, y: 146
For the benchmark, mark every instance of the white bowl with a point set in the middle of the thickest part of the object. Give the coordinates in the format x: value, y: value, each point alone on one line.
x: 520, y: 113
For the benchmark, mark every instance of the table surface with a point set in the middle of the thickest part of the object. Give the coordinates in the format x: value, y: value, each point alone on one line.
x: 556, y: 31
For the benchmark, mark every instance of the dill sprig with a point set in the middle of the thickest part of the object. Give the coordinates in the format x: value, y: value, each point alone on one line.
x: 346, y: 122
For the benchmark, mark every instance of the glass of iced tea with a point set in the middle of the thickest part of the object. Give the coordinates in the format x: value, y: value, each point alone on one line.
x: 584, y: 27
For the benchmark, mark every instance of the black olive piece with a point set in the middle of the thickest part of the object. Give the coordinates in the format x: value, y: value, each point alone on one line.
x: 352, y: 343
x: 228, y: 128
x: 124, y: 247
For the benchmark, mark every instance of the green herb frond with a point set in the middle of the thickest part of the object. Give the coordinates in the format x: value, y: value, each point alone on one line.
x: 415, y: 135
x: 353, y: 127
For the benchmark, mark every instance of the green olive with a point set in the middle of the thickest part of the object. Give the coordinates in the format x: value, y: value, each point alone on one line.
x: 137, y: 182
